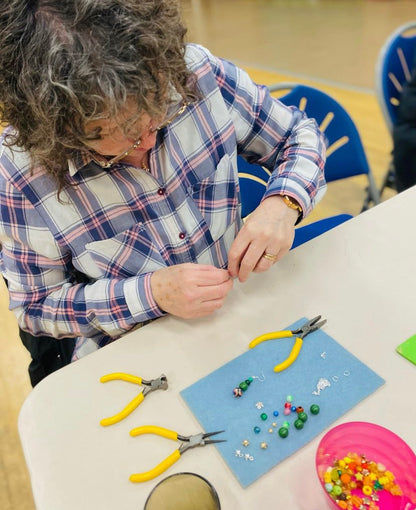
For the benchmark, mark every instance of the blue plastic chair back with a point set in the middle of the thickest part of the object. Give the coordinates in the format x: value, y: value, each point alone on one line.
x: 345, y: 152
x: 308, y: 232
x: 394, y: 66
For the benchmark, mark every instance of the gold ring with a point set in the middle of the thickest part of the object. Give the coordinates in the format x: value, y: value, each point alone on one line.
x: 270, y: 256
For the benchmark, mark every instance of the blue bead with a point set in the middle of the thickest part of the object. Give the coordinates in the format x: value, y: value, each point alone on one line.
x: 256, y: 430
x: 293, y: 409
x: 275, y: 413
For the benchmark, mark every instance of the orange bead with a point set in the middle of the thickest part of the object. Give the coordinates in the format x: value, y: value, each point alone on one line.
x: 345, y: 478
x: 342, y: 504
x: 356, y: 501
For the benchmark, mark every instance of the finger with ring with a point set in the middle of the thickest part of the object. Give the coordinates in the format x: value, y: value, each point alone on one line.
x: 269, y: 256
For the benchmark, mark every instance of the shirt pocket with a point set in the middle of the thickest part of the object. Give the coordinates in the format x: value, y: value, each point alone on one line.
x: 216, y: 196
x: 127, y: 254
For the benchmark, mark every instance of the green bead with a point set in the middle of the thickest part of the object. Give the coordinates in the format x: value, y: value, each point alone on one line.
x: 250, y: 379
x: 298, y: 424
x: 336, y: 491
x: 263, y: 416
x: 243, y: 385
x: 303, y: 416
x: 314, y: 409
x: 283, y: 432
x: 286, y: 424
x: 289, y: 398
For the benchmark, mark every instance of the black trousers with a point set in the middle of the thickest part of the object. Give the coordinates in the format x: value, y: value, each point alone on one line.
x: 48, y: 354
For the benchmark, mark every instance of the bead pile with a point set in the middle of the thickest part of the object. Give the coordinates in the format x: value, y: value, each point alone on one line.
x: 356, y: 474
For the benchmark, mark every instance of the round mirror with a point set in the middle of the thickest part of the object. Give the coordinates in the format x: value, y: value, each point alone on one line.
x: 183, y: 491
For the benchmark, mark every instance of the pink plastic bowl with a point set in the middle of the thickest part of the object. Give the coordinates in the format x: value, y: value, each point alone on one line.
x: 379, y: 445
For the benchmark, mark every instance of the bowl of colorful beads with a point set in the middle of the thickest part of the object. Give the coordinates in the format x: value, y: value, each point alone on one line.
x: 367, y: 467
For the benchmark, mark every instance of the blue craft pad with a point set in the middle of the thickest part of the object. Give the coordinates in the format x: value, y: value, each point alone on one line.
x: 212, y: 402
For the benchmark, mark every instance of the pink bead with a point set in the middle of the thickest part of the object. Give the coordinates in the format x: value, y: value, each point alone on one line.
x: 286, y: 411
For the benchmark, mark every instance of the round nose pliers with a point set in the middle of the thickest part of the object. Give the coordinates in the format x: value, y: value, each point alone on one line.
x: 301, y: 332
x: 161, y: 383
x: 187, y: 443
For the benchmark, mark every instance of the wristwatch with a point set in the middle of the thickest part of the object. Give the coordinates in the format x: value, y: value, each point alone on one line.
x: 290, y: 202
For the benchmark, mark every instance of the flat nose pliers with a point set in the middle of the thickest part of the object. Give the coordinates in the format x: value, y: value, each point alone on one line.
x: 301, y: 332
x: 161, y: 383
x: 187, y: 443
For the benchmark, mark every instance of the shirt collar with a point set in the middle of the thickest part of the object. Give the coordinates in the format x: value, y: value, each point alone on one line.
x: 79, y: 160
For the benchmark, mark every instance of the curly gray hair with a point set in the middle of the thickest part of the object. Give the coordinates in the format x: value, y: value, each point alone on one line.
x: 66, y: 62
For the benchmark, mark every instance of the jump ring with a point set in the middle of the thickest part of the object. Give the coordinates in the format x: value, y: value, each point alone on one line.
x: 269, y: 256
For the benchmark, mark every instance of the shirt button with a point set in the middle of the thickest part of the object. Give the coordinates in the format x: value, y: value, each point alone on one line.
x: 161, y: 191
x: 182, y: 235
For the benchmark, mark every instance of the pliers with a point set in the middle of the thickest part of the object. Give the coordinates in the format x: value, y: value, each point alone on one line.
x: 301, y: 332
x: 188, y: 442
x: 161, y: 383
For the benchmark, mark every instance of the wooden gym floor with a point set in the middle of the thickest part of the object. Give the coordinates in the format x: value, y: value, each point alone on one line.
x: 332, y: 45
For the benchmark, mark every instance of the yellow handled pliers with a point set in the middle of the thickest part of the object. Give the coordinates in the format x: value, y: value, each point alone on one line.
x: 161, y: 383
x: 188, y: 442
x: 301, y: 332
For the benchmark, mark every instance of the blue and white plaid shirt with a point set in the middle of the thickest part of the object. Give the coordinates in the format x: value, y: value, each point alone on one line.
x: 117, y: 226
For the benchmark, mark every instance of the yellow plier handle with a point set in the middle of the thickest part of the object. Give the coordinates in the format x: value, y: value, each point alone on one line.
x: 165, y: 464
x: 105, y: 422
x: 294, y: 353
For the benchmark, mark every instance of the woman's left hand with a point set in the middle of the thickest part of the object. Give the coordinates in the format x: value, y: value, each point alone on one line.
x: 270, y: 229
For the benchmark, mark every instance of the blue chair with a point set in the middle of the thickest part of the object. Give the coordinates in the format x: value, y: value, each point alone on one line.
x: 393, y: 69
x: 253, y: 181
x: 345, y: 153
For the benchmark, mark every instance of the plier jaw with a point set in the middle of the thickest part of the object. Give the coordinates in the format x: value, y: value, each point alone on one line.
x: 161, y: 383
x: 198, y: 440
x: 309, y: 327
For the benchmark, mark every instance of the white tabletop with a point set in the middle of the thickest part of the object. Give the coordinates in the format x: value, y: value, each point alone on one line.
x: 360, y: 276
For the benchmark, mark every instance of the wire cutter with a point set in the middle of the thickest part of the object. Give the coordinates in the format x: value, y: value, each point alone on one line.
x: 301, y: 332
x: 188, y: 442
x: 161, y: 383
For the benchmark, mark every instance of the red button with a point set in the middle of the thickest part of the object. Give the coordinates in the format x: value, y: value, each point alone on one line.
x: 161, y: 191
x: 181, y: 235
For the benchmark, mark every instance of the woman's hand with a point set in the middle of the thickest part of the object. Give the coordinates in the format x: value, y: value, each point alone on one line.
x: 269, y: 229
x: 190, y: 290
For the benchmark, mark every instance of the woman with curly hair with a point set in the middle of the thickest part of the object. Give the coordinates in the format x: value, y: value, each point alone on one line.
x: 119, y: 193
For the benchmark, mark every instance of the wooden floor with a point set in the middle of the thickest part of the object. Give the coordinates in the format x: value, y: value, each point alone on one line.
x: 329, y: 44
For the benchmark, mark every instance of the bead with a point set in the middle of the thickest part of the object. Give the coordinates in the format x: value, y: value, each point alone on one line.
x: 314, y: 409
x: 243, y: 385
x: 259, y: 405
x: 182, y: 235
x: 293, y: 409
x: 283, y: 432
x: 299, y: 409
x: 286, y: 424
x: 367, y: 490
x: 303, y: 416
x: 263, y: 445
x: 345, y: 478
x: 237, y: 392
x: 286, y: 412
x: 271, y: 431
x: 299, y: 424
x: 275, y: 413
x: 288, y: 405
x: 274, y: 424
x: 289, y: 398
x: 336, y: 491
x: 263, y: 416
x: 248, y: 382
x: 342, y: 504
x: 256, y: 430
x: 249, y: 379
x: 246, y: 442
x: 329, y: 487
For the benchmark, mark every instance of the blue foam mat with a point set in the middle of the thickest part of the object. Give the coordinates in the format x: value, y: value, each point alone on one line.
x: 321, y: 361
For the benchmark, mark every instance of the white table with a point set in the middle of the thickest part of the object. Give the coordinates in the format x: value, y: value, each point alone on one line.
x: 361, y: 276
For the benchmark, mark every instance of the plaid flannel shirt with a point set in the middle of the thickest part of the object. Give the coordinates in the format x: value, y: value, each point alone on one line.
x: 117, y: 226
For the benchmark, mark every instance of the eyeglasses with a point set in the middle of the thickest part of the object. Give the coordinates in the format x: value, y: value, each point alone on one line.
x: 101, y: 160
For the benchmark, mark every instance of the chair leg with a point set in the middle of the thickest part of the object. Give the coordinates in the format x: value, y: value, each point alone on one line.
x: 389, y: 179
